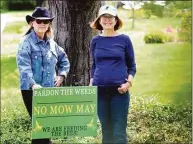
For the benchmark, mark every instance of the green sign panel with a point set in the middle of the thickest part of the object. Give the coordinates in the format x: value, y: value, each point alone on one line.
x: 64, y: 111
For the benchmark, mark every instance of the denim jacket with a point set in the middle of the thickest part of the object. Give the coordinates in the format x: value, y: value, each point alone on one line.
x: 37, y: 61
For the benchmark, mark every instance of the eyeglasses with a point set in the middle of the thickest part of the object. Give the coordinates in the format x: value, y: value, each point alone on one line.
x: 108, y: 16
x: 39, y: 21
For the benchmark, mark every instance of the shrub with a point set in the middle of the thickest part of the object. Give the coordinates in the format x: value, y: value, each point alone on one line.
x: 3, y: 6
x: 153, y: 17
x: 156, y: 10
x: 140, y: 13
x: 151, y: 123
x: 148, y: 13
x: 185, y: 32
x: 169, y: 10
x: 159, y: 37
x: 18, y: 5
x: 169, y: 38
x: 154, y: 38
x: 148, y: 122
x: 179, y: 14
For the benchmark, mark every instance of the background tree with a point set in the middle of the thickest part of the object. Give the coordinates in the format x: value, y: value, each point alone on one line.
x: 177, y: 8
x: 133, y: 5
x: 155, y: 8
x: 169, y: 10
x: 17, y: 5
x: 180, y: 4
x: 73, y: 33
x: 185, y: 32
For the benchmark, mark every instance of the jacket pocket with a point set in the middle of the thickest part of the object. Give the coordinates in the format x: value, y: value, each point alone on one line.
x: 36, y: 59
x: 51, y: 57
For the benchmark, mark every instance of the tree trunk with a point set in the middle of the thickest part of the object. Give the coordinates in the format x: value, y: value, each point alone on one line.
x: 133, y: 12
x: 102, y: 3
x: 73, y: 33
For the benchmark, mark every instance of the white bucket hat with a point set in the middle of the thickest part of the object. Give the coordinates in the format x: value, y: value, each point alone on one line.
x: 106, y: 9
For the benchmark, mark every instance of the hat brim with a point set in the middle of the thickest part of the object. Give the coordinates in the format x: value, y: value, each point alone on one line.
x: 95, y: 23
x: 30, y: 18
x: 107, y: 12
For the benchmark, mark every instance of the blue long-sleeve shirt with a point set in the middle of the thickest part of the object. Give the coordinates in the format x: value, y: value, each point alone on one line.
x: 112, y: 60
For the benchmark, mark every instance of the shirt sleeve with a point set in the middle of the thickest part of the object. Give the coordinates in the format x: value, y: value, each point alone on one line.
x: 130, y: 58
x: 63, y: 63
x: 92, y: 51
x: 23, y: 60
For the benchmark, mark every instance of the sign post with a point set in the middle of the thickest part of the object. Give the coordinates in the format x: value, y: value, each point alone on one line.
x: 64, y: 111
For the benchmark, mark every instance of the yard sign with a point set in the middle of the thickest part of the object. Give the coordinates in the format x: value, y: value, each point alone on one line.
x: 64, y: 111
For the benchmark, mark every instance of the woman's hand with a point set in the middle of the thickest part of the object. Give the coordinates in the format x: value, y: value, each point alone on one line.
x: 36, y: 86
x: 124, y: 87
x: 58, y: 80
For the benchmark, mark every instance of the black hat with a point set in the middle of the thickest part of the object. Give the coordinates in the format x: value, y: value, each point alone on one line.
x: 39, y: 13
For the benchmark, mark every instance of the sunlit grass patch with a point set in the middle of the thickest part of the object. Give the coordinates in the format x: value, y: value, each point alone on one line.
x: 10, y: 97
x: 164, y: 69
x: 9, y: 72
x: 147, y: 25
x: 12, y: 34
x: 14, y: 27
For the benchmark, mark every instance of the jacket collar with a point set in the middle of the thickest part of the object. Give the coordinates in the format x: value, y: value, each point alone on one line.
x: 36, y: 38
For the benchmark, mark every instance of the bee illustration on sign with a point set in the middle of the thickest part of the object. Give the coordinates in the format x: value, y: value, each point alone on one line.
x: 37, y: 127
x: 91, y: 125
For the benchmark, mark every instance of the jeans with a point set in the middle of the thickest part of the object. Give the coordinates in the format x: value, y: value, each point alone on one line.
x: 27, y: 98
x: 112, y: 113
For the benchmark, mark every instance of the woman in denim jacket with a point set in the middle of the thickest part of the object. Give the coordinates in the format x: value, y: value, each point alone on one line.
x: 38, y: 58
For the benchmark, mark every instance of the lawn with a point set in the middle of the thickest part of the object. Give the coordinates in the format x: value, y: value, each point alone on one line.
x: 12, y: 34
x: 164, y: 70
x: 160, y: 110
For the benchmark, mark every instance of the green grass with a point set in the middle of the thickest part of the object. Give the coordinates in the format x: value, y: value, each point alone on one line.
x: 151, y: 122
x: 162, y: 69
x: 146, y: 24
x: 9, y: 73
x: 15, y: 27
x: 11, y: 41
x: 15, y: 122
x: 165, y: 70
x: 12, y: 34
x: 148, y: 122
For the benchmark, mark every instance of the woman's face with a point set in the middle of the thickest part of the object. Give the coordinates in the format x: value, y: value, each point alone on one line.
x: 108, y: 22
x: 40, y: 26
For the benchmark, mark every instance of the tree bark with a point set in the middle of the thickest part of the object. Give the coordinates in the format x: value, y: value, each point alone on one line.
x: 73, y: 33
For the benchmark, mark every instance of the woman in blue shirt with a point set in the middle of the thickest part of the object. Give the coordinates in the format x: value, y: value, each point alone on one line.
x: 113, y: 69
x: 38, y: 58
